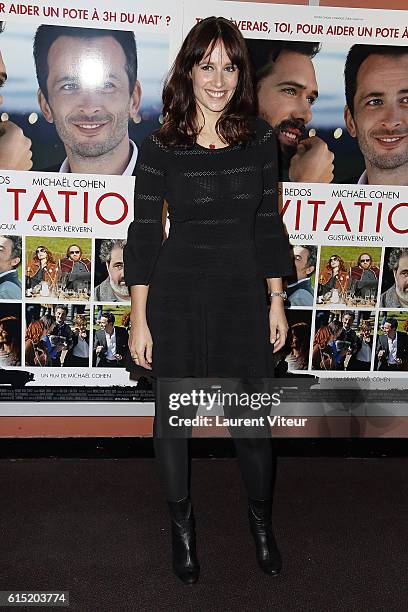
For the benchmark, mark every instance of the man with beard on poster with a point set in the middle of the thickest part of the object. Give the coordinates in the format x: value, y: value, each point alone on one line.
x: 286, y: 90
x: 15, y: 148
x: 75, y: 269
x: 376, y: 113
x: 397, y: 295
x: 364, y: 276
x: 88, y: 87
x: 113, y: 288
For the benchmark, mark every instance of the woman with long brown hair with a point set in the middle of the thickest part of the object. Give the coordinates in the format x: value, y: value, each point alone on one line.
x: 333, y: 276
x: 199, y: 305
x: 10, y: 341
x: 42, y: 267
x: 36, y: 350
x: 298, y: 344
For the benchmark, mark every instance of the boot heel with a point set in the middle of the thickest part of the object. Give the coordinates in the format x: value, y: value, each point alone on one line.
x: 185, y: 562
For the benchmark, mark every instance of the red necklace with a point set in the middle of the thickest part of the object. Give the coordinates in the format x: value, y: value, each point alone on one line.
x: 211, y: 146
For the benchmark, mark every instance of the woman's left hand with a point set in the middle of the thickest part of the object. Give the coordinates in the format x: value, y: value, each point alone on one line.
x: 278, y: 327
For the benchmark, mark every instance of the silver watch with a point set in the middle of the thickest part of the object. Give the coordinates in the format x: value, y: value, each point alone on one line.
x: 281, y: 294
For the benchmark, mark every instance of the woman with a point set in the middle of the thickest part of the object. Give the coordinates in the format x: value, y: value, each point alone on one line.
x: 298, y: 342
x: 325, y: 354
x: 42, y: 267
x: 333, y: 276
x: 198, y: 300
x: 10, y: 342
x: 36, y: 349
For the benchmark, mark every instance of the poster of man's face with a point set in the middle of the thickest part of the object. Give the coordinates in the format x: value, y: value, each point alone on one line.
x: 286, y: 88
x: 300, y: 286
x: 88, y: 88
x: 395, y: 278
x: 376, y: 112
x: 110, y: 283
x: 299, y: 97
x: 84, y: 98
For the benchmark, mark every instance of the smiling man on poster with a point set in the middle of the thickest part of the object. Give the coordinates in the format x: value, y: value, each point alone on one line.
x: 376, y: 113
x: 286, y: 88
x: 88, y: 88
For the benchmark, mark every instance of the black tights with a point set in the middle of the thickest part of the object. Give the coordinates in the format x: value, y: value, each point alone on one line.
x: 255, y: 460
x: 253, y: 447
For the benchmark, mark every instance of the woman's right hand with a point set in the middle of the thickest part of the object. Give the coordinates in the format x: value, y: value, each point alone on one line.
x: 141, y: 344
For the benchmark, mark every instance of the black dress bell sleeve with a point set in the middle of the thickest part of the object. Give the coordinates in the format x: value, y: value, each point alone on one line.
x: 145, y: 233
x: 271, y: 240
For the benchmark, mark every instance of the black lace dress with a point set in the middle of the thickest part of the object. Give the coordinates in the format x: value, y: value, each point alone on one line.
x: 207, y: 309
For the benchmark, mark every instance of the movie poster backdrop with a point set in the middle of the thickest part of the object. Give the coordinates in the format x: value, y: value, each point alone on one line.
x: 90, y: 84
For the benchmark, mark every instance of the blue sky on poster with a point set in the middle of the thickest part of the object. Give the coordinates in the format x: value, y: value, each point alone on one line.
x: 329, y: 66
x: 21, y: 88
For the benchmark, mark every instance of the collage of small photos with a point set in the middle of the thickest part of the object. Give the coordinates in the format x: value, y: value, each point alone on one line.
x: 64, y: 303
x: 58, y: 297
x: 348, y: 309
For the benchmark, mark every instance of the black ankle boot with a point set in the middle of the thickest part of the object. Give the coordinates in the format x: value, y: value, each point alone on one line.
x: 267, y: 553
x: 185, y: 563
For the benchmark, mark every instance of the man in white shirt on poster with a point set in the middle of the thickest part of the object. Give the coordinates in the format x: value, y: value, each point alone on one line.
x: 392, y: 347
x: 111, y: 342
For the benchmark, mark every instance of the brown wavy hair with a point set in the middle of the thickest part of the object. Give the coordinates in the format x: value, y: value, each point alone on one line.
x: 179, y: 106
x: 50, y: 256
x: 35, y: 331
x: 342, y: 265
x: 301, y: 331
x: 12, y: 327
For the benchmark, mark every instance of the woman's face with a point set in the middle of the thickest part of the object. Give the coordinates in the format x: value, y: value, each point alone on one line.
x: 214, y: 80
x: 295, y: 343
x: 41, y: 253
x: 5, y: 336
x: 334, y: 261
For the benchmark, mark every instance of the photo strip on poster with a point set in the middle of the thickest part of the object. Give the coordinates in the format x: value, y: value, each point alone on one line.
x: 73, y: 115
x: 333, y: 84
